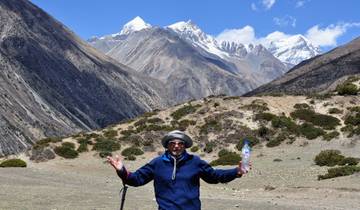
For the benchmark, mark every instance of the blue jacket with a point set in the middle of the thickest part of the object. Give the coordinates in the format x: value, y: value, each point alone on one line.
x: 177, y: 182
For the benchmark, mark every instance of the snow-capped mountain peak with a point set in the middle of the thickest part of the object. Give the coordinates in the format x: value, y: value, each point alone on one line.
x: 190, y: 32
x: 135, y: 24
x: 293, y: 49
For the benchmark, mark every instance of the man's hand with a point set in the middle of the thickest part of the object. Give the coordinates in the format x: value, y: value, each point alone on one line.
x: 115, y: 162
x: 242, y: 171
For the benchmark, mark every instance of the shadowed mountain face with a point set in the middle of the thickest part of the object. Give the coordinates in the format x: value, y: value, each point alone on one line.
x: 318, y: 74
x: 52, y: 83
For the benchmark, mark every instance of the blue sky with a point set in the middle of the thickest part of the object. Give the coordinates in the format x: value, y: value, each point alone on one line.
x: 327, y: 23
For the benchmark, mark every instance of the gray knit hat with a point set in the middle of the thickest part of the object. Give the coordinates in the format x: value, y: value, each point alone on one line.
x: 176, y: 134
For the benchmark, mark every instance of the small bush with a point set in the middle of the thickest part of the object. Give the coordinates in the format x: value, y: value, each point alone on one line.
x: 66, y: 152
x: 223, y: 152
x: 68, y: 144
x: 155, y: 120
x: 352, y: 119
x: 45, y: 142
x: 263, y: 131
x: 132, y: 151
x: 285, y: 122
x: 82, y: 148
x: 106, y: 145
x: 183, y: 111
x: 229, y: 158
x: 210, y: 125
x: 277, y: 140
x: 340, y: 171
x: 13, y: 163
x: 331, y: 135
x: 325, y: 121
x: 266, y: 116
x: 328, y: 158
x: 216, y: 104
x: 209, y: 147
x: 194, y: 149
x: 347, y: 89
x: 335, y: 111
x: 310, y: 131
x: 255, y: 107
x: 302, y: 106
x: 252, y: 141
x: 349, y: 161
x: 110, y: 134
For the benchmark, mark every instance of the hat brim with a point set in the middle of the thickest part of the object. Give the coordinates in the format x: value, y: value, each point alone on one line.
x: 187, y: 140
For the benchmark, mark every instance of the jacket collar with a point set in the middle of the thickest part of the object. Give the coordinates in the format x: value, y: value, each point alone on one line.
x: 167, y: 157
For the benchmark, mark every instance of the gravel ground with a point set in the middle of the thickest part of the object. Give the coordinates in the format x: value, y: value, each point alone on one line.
x: 89, y: 183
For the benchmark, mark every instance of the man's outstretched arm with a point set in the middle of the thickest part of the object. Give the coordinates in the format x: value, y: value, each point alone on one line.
x: 214, y: 176
x: 140, y: 177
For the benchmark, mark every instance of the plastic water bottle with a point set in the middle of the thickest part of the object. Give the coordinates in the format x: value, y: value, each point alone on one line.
x: 245, y: 151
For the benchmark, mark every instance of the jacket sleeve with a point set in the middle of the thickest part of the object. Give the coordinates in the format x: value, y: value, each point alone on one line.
x: 140, y: 177
x: 214, y: 176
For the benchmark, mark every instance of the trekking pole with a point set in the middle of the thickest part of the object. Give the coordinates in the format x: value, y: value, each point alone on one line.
x: 123, y: 195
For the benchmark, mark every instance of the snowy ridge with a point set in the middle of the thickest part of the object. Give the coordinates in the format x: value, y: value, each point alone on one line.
x: 193, y: 34
x: 293, y: 49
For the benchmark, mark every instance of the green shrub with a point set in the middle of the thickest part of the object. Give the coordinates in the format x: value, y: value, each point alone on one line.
x: 209, y: 147
x: 132, y: 151
x: 183, y: 111
x: 210, y: 125
x: 82, y: 148
x: 149, y: 114
x: 286, y: 123
x: 255, y: 107
x: 335, y: 111
x: 229, y: 158
x: 264, y: 116
x: 263, y: 131
x: 302, y: 106
x: 310, y: 131
x: 194, y: 148
x: 216, y: 104
x: 45, y: 142
x: 252, y: 141
x: 128, y: 132
x: 347, y: 89
x: 68, y: 144
x: 340, y: 171
x: 66, y: 152
x: 328, y: 158
x: 106, y: 145
x: 352, y: 119
x: 223, y: 152
x: 84, y: 141
x: 110, y: 134
x: 155, y: 120
x: 349, y: 161
x: 325, y: 121
x: 331, y: 135
x: 13, y: 163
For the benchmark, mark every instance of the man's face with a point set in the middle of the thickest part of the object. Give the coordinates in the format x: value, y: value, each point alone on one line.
x: 176, y: 147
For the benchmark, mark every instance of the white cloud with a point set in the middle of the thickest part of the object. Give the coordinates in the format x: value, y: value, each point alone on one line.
x: 322, y: 37
x: 300, y: 3
x: 268, y: 4
x: 326, y: 37
x: 244, y: 35
x: 253, y: 7
x: 285, y: 21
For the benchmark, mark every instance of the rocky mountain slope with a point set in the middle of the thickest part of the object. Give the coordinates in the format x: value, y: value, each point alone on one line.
x: 319, y: 74
x: 53, y: 83
x: 190, y: 62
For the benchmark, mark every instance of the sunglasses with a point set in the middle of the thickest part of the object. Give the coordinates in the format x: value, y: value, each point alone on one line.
x: 173, y: 143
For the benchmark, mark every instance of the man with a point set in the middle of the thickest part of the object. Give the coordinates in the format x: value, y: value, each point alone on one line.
x: 176, y: 174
